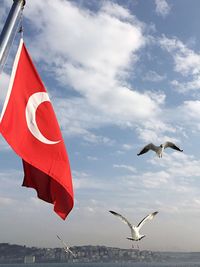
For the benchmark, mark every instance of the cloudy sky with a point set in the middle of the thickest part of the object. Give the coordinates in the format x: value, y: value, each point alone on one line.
x: 120, y: 74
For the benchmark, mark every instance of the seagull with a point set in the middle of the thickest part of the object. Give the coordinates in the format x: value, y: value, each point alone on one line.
x: 135, y: 234
x: 66, y: 248
x: 159, y: 149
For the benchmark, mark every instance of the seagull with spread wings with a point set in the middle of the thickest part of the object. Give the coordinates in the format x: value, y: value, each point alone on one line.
x: 66, y: 248
x: 135, y: 230
x: 159, y: 149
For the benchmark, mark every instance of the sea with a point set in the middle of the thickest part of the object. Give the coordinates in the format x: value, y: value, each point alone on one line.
x: 171, y: 264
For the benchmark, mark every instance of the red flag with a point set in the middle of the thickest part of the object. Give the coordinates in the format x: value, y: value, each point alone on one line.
x: 29, y: 125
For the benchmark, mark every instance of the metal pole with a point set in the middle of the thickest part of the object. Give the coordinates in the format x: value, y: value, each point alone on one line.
x: 9, y: 29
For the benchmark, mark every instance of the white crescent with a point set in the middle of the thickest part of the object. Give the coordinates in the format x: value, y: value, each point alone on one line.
x: 33, y: 102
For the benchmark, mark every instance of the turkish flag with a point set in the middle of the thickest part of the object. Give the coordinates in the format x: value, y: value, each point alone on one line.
x: 29, y: 125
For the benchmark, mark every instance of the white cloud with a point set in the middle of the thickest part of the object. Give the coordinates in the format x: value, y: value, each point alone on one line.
x: 127, y: 147
x: 116, y: 11
x: 175, y: 175
x: 184, y: 87
x: 186, y: 62
x: 157, y: 96
x: 89, y: 183
x: 156, y: 131
x: 149, y: 180
x: 92, y: 53
x: 153, y: 76
x: 84, y: 180
x: 179, y: 165
x: 162, y: 7
x: 126, y: 167
x: 192, y: 109
x: 188, y: 115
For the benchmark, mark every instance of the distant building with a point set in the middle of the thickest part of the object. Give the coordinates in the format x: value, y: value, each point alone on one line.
x: 29, y: 259
x: 84, y: 254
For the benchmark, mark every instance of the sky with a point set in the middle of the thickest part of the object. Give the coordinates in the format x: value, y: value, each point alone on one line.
x: 120, y: 74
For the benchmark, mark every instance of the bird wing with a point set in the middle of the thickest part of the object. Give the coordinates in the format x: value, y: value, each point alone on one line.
x: 172, y: 145
x: 66, y: 248
x: 69, y: 250
x: 65, y: 245
x: 122, y: 218
x: 148, y: 217
x: 147, y: 148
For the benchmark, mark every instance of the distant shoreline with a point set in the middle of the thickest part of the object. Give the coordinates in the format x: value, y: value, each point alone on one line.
x: 14, y: 254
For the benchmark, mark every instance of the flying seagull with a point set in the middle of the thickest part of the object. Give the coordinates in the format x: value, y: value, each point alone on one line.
x: 159, y: 149
x: 135, y: 230
x: 66, y: 248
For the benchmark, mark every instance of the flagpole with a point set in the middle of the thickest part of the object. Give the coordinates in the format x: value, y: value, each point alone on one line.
x: 9, y: 29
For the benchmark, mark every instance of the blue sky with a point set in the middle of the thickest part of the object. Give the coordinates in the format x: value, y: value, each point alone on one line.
x: 120, y: 74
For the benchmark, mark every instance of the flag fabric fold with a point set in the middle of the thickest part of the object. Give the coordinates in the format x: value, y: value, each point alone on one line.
x: 29, y: 125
